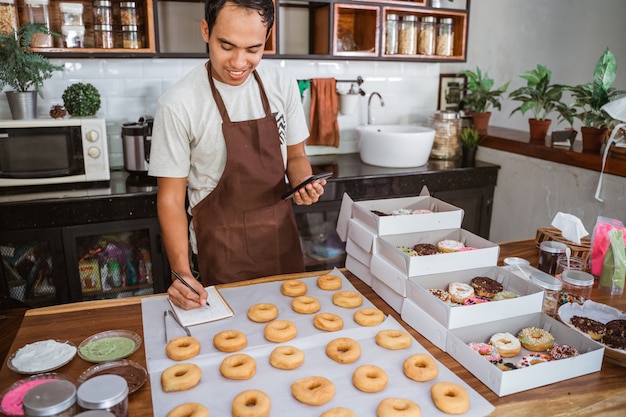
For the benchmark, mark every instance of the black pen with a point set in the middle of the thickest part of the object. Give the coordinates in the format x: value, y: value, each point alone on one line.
x: 188, y: 286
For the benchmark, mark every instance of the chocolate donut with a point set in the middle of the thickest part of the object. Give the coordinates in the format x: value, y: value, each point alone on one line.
x: 485, y: 286
x: 423, y: 249
x: 593, y: 328
x: 615, y: 335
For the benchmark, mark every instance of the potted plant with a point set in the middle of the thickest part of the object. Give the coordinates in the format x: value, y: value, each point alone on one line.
x: 470, y: 139
x: 24, y: 70
x: 81, y: 100
x: 589, y: 99
x: 481, y: 96
x: 541, y: 97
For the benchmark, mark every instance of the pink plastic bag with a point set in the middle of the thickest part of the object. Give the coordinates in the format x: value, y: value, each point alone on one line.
x: 600, y: 242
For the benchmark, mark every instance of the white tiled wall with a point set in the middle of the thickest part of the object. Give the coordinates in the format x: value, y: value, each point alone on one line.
x: 130, y: 88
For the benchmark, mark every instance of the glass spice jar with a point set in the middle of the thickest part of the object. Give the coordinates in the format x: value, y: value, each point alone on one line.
x: 447, y: 125
x: 391, y: 34
x: 445, y: 37
x: 128, y: 14
x: 130, y: 37
x: 104, y: 392
x: 37, y: 12
x: 427, y: 36
x: 102, y: 13
x: 51, y: 399
x: 103, y: 36
x: 8, y: 17
x: 407, y: 35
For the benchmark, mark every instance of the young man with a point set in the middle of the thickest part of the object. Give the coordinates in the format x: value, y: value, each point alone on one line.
x: 224, y: 136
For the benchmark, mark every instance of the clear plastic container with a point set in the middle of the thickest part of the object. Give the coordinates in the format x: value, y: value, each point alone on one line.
x: 104, y: 392
x: 447, y: 125
x: 427, y: 36
x: 51, y: 399
x: 549, y: 252
x: 445, y: 37
x: 37, y: 12
x: 128, y: 14
x: 577, y: 286
x: 407, y: 35
x: 575, y: 262
x: 8, y: 16
x: 73, y: 36
x: 130, y: 37
x: 391, y: 34
x: 551, y: 288
x: 103, y: 36
x: 102, y: 13
x: 72, y: 13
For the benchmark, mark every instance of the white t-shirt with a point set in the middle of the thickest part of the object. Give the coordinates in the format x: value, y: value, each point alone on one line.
x: 187, y: 138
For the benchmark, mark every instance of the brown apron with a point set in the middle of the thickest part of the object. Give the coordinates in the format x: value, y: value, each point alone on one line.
x: 243, y: 228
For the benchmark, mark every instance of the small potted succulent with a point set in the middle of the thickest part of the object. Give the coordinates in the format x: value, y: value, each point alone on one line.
x: 470, y: 139
x: 481, y: 96
x: 81, y: 100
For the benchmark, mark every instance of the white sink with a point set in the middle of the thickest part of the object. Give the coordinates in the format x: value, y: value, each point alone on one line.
x: 395, y: 146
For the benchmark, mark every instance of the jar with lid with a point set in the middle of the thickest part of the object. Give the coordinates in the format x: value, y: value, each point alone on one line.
x: 447, y: 125
x: 95, y: 413
x: 549, y: 252
x: 551, y: 288
x: 577, y: 286
x: 407, y: 35
x: 130, y: 37
x: 128, y: 14
x: 103, y: 36
x: 427, y: 36
x: 104, y: 392
x: 8, y: 17
x: 37, y: 12
x: 445, y: 37
x: 102, y: 13
x: 72, y: 13
x: 391, y: 34
x: 51, y: 399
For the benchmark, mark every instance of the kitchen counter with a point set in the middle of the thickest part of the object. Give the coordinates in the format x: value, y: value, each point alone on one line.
x: 599, y: 393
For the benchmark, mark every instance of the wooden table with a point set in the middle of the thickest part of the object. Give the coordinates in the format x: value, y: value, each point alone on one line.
x: 599, y: 394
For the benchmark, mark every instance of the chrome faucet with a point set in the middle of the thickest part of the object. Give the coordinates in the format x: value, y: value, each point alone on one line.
x: 369, y: 106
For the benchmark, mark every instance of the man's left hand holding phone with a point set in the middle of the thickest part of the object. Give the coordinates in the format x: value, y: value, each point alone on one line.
x: 308, y: 191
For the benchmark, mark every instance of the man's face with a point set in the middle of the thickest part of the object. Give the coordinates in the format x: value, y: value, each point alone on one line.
x: 236, y: 43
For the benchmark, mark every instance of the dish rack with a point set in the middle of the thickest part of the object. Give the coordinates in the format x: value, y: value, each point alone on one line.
x: 582, y: 250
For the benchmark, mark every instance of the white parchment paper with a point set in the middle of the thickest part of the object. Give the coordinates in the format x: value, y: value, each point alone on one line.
x: 217, y: 392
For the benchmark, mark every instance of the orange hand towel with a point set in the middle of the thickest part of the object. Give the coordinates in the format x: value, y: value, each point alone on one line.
x: 323, y: 115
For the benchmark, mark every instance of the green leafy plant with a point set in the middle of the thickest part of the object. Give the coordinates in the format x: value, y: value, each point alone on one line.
x: 21, y: 68
x: 590, y: 97
x: 470, y: 137
x: 540, y: 96
x: 81, y: 99
x: 481, y: 95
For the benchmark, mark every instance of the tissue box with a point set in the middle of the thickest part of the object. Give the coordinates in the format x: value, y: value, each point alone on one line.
x: 582, y: 250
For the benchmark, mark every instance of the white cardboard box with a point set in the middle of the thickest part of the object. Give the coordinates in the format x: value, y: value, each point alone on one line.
x: 424, y: 324
x: 504, y: 383
x: 485, y: 254
x: 530, y: 300
x: 389, y: 274
x: 443, y: 216
x: 364, y: 237
x: 360, y: 270
x: 358, y: 252
x: 391, y: 297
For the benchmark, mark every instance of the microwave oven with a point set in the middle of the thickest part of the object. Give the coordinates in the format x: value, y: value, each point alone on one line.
x: 53, y: 151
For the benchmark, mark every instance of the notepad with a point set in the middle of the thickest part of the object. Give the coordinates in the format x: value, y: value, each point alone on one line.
x: 218, y: 309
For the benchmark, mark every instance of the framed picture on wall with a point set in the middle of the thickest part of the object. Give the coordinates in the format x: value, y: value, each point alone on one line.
x: 451, y: 91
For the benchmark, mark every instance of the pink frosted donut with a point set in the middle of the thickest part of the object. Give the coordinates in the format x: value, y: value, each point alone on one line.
x: 563, y: 352
x: 475, y: 300
x: 459, y: 292
x: 530, y: 359
x: 486, y: 351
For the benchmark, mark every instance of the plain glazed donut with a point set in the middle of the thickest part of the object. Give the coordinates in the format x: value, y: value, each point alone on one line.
x: 329, y: 282
x: 506, y: 344
x: 369, y: 378
x: 328, y: 322
x: 230, y: 341
x: 338, y: 412
x: 279, y: 331
x: 536, y: 339
x: 251, y: 403
x: 180, y: 377
x: 239, y: 366
x: 182, y: 348
x: 189, y: 410
x: 313, y: 390
x: 393, y: 339
x: 420, y: 367
x: 286, y: 357
x: 305, y: 304
x: 347, y: 299
x: 343, y: 350
x: 293, y: 288
x: 369, y: 316
x: 262, y: 312
x: 450, y: 398
x: 398, y: 407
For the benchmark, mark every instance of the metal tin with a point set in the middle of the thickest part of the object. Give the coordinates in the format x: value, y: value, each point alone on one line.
x: 51, y: 399
x: 104, y: 392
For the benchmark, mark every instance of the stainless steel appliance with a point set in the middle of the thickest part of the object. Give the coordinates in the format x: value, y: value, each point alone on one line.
x: 53, y: 151
x: 136, y: 140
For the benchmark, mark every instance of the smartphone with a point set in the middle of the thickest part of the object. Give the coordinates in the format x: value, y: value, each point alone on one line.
x: 316, y: 177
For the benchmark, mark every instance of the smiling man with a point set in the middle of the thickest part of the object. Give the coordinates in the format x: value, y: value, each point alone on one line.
x: 224, y: 137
